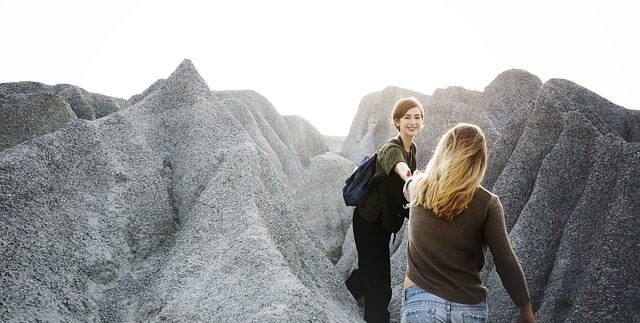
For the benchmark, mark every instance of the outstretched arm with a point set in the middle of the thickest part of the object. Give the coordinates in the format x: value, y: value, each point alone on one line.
x: 403, y: 170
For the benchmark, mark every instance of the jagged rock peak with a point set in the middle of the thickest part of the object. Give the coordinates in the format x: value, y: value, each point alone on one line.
x: 582, y: 96
x: 513, y: 77
x: 186, y: 73
x: 596, y: 108
x: 185, y: 87
x: 186, y: 66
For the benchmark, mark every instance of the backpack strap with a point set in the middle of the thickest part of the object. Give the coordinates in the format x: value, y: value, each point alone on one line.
x: 398, y: 142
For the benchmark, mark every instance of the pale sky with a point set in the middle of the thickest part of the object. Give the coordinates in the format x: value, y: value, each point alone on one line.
x: 317, y: 59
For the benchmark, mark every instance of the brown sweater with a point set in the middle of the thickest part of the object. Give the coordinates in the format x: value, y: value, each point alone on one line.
x: 445, y: 258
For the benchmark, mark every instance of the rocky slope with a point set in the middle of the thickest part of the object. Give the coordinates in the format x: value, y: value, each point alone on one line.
x: 190, y: 205
x: 176, y: 208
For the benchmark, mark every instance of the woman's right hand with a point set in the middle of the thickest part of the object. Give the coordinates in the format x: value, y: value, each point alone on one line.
x: 525, y: 315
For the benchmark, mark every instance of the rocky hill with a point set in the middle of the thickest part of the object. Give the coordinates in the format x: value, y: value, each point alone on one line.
x: 32, y: 109
x: 177, y: 208
x: 186, y: 204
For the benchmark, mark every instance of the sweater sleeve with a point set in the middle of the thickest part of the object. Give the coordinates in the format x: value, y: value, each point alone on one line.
x: 389, y: 156
x: 406, y: 189
x: 507, y: 265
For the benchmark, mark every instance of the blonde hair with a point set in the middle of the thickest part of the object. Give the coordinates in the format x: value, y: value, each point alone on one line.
x: 402, y: 106
x: 454, y: 172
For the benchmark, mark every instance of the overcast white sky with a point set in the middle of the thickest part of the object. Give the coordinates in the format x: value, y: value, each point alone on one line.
x: 318, y: 59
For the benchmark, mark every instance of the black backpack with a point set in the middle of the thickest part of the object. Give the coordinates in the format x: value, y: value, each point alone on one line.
x: 355, y: 187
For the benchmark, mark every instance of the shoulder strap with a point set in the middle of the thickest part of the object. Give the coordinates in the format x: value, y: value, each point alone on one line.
x: 393, y: 141
x: 396, y: 141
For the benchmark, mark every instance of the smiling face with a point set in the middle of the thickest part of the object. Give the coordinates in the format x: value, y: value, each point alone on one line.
x: 410, y: 123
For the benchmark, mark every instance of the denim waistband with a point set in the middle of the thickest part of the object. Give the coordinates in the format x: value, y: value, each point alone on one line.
x: 415, y: 293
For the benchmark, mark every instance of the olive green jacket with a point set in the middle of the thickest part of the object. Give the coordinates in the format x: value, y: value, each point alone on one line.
x: 385, y: 196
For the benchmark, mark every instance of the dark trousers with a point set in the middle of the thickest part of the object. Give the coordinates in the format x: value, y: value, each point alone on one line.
x: 372, y: 279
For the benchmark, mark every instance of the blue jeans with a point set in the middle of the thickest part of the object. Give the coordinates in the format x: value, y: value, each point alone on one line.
x: 421, y: 306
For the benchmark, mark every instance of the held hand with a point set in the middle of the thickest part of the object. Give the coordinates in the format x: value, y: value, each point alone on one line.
x: 403, y: 170
x: 525, y: 315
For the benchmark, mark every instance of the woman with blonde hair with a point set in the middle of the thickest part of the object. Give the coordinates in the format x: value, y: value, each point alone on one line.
x: 452, y: 221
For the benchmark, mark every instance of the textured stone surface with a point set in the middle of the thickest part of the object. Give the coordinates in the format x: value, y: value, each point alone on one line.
x: 26, y: 116
x: 32, y: 109
x: 507, y: 93
x: 170, y: 210
x: 573, y: 207
x: 320, y: 196
x: 85, y: 105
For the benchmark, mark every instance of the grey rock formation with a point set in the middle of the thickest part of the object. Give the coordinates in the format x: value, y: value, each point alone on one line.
x: 448, y: 107
x: 26, y: 116
x: 32, y: 109
x: 306, y: 139
x: 171, y: 210
x: 335, y: 143
x: 85, y: 105
x: 271, y: 132
x: 320, y: 197
x: 507, y: 100
x: 507, y: 93
x: 565, y: 163
x: 571, y: 196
